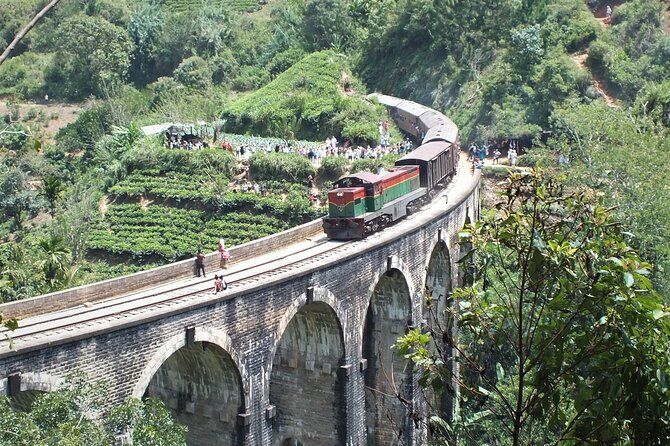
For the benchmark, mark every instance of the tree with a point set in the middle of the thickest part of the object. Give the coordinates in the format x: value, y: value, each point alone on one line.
x: 16, y: 198
x: 194, y: 73
x: 25, y: 29
x: 328, y: 23
x: 75, y: 415
x: 93, y: 57
x: 626, y: 157
x: 14, y: 137
x: 562, y: 338
x: 55, y: 259
x: 145, y: 28
x: 52, y: 190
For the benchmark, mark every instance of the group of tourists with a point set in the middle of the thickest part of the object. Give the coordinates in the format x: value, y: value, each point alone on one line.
x: 177, y: 142
x: 331, y: 147
x: 477, y: 154
x: 224, y: 257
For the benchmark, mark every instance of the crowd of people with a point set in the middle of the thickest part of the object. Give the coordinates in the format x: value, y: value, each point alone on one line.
x: 331, y: 147
x: 177, y: 142
x: 477, y: 154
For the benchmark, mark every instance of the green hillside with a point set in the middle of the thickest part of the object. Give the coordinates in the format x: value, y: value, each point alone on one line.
x: 314, y: 99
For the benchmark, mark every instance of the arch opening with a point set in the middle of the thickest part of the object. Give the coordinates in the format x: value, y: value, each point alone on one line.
x: 441, y: 323
x: 306, y: 384
x: 387, y: 374
x: 202, y: 387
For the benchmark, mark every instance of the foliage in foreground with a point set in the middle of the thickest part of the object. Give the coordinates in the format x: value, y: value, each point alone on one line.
x: 627, y: 158
x: 75, y: 415
x: 562, y: 337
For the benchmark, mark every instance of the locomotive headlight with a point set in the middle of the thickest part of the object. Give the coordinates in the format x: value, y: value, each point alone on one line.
x: 340, y: 194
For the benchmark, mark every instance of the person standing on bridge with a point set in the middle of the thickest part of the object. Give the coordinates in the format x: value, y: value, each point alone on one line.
x: 496, y: 155
x: 223, y: 252
x: 481, y: 153
x: 200, y: 263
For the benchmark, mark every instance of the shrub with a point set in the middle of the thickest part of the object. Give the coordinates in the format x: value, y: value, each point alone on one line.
x: 89, y: 127
x: 15, y: 137
x: 529, y: 159
x: 24, y: 75
x: 372, y: 164
x: 284, y: 60
x: 332, y: 168
x: 280, y: 166
x: 194, y: 73
x: 572, y: 27
x: 163, y: 88
x: 365, y: 165
x: 250, y: 78
x: 308, y: 99
x: 618, y: 68
x: 224, y: 67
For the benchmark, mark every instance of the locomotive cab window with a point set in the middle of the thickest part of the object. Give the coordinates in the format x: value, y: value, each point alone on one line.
x: 357, y: 201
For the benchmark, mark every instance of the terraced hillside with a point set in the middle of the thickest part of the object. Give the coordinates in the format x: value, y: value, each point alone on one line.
x: 237, y: 5
x: 174, y: 201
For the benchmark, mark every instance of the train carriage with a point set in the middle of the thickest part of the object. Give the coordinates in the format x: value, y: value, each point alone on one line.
x: 431, y: 119
x: 435, y: 160
x: 364, y: 202
x: 407, y: 118
x: 388, y: 101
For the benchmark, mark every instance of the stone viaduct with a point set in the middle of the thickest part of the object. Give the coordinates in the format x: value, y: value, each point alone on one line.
x: 288, y: 358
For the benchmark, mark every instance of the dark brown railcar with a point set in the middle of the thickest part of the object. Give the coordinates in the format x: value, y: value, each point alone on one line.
x: 435, y: 160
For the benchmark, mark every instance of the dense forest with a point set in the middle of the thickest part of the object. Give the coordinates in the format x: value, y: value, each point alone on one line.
x: 90, y: 197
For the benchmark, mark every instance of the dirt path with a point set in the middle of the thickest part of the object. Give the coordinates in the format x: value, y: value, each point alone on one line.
x: 580, y: 58
x: 50, y: 117
x: 598, y: 83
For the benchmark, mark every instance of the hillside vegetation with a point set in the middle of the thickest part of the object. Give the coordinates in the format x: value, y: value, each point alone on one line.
x: 314, y: 99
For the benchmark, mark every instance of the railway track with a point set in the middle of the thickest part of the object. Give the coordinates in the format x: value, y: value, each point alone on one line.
x: 62, y: 324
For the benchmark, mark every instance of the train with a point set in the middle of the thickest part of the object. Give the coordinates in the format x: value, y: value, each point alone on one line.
x: 363, y: 203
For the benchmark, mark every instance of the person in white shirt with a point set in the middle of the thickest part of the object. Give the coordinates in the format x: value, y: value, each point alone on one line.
x: 512, y: 156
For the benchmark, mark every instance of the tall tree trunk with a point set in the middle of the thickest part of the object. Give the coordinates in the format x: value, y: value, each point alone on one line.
x: 24, y: 31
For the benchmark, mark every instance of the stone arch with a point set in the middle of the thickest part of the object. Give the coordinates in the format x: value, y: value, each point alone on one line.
x: 318, y: 294
x: 387, y: 317
x: 202, y: 383
x: 202, y: 334
x: 392, y: 263
x: 438, y: 278
x: 439, y: 281
x: 307, y: 384
x: 291, y: 442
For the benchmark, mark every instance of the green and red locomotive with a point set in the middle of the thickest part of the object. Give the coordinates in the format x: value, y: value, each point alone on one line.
x: 363, y: 203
